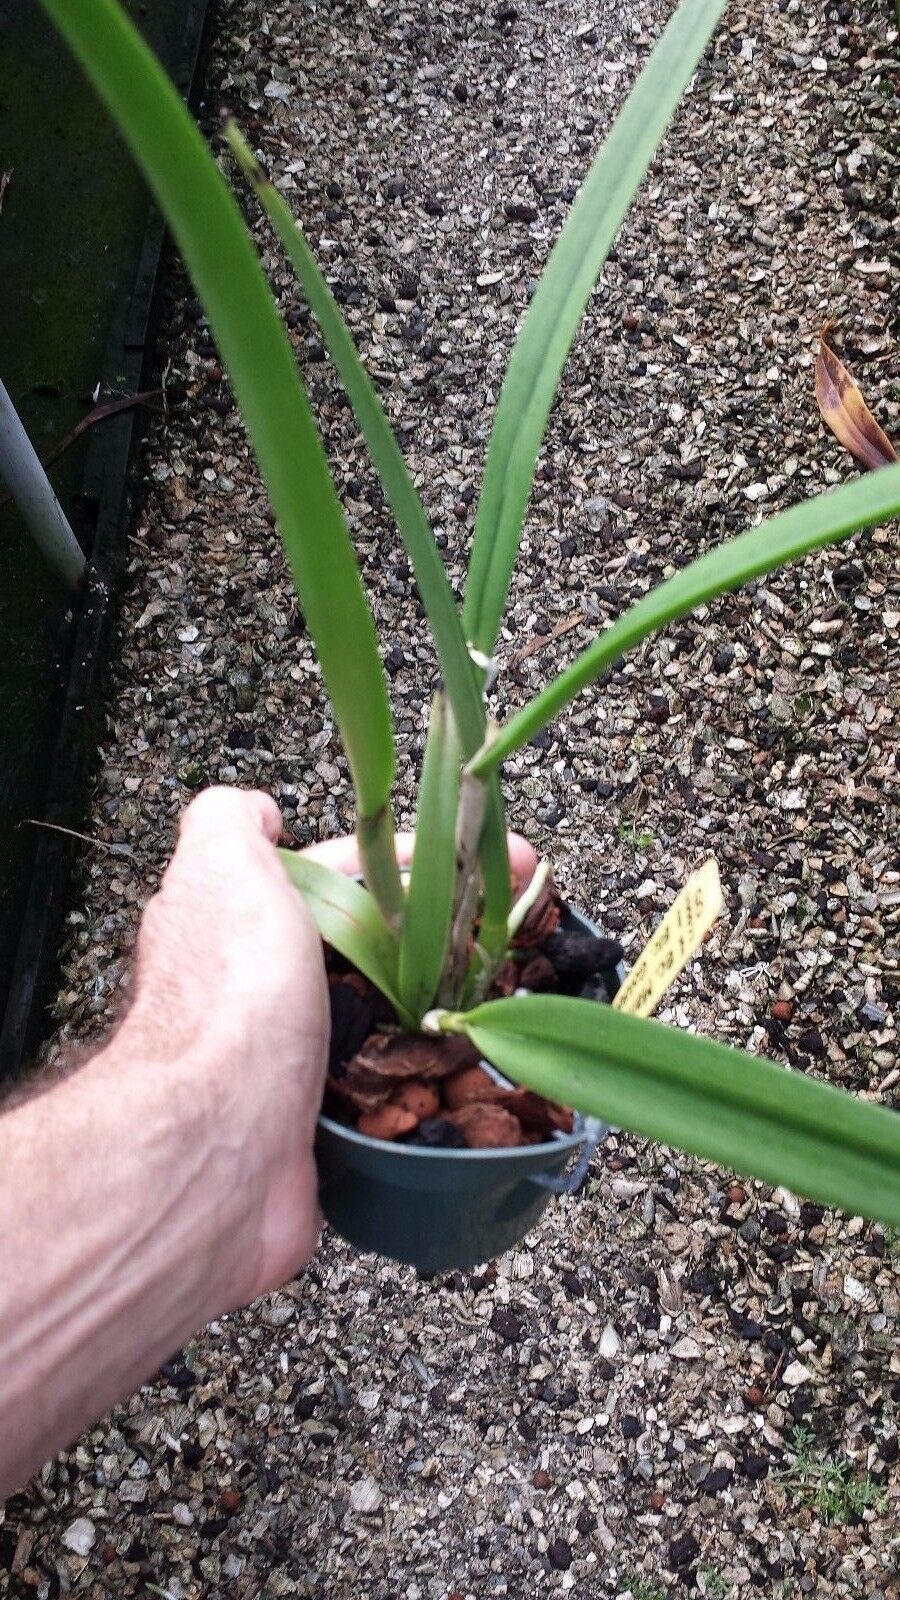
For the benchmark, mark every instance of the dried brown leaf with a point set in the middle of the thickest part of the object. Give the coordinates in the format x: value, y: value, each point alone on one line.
x: 392, y: 1057
x: 845, y: 411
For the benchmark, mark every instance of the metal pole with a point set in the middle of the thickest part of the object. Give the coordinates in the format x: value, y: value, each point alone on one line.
x: 31, y: 490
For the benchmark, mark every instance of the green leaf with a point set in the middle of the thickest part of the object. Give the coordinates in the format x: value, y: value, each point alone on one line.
x: 219, y: 254
x: 558, y: 305
x: 429, y: 901
x: 437, y: 597
x: 348, y: 919
x: 748, y: 1114
x: 460, y: 675
x: 782, y: 538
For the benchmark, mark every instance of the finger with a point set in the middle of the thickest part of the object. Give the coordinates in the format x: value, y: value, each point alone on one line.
x: 221, y: 810
x: 342, y: 855
x: 522, y: 860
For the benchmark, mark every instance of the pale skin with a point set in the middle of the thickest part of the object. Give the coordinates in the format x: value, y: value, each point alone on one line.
x: 171, y: 1177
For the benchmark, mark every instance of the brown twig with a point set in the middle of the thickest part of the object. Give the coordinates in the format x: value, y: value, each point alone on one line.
x: 533, y: 645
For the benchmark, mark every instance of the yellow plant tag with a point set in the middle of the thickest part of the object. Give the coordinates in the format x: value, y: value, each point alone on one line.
x: 675, y: 942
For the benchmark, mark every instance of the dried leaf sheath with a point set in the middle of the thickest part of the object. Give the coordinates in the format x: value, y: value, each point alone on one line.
x: 845, y: 412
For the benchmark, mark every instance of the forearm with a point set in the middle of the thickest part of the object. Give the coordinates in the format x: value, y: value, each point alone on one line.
x: 122, y: 1207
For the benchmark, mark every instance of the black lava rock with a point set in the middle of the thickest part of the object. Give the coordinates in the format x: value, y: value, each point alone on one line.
x: 520, y: 211
x: 720, y: 1478
x: 507, y: 1324
x: 353, y: 1017
x: 438, y: 1134
x: 595, y: 988
x: 683, y: 1551
x: 560, y: 1555
x: 581, y: 955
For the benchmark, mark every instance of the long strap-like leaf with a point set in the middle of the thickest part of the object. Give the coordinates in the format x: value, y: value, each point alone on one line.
x: 558, y: 306
x: 222, y: 261
x: 460, y: 677
x: 555, y: 312
x: 429, y: 901
x: 744, y: 1112
x: 348, y: 919
x: 817, y: 522
x: 437, y: 596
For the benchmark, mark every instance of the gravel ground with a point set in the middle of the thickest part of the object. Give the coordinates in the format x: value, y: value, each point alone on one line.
x: 615, y: 1407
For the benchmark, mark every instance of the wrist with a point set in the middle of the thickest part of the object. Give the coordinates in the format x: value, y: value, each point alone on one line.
x: 201, y: 1190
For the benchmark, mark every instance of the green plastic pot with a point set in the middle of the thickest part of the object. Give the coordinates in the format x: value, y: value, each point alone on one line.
x: 443, y: 1209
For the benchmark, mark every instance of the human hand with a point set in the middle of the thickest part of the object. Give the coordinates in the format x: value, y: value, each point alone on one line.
x: 230, y: 990
x: 230, y: 983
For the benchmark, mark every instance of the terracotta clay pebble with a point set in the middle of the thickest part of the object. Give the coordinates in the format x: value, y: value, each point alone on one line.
x: 533, y: 1112
x: 420, y: 1099
x: 391, y: 1122
x: 472, y: 1085
x: 486, y: 1127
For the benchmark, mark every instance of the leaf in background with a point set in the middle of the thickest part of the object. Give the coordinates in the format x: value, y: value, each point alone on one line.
x: 781, y: 538
x: 557, y: 307
x: 845, y: 411
x: 746, y: 1113
x: 432, y: 879
x: 348, y: 919
x: 219, y: 254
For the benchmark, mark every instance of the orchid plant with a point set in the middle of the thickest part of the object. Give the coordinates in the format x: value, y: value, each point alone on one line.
x: 432, y: 945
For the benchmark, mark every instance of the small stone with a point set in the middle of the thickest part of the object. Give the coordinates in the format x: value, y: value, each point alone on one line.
x: 718, y: 1479
x: 520, y: 211
x: 871, y: 1016
x: 783, y: 1010
x: 559, y: 1555
x: 749, y: 1230
x: 507, y: 1325
x: 79, y: 1536
x: 365, y: 1497
x: 735, y: 1195
x: 610, y: 1344
x: 683, y: 1551
x: 794, y: 1374
x: 230, y: 1501
x: 586, y: 1521
x: 540, y: 1479
x: 687, y: 1349
x: 755, y: 1467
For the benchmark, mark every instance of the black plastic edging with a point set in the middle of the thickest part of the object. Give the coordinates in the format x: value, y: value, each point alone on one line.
x: 102, y: 516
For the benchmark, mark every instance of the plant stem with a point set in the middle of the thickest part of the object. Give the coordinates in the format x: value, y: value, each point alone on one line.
x: 470, y: 819
x: 31, y: 490
x: 378, y: 860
